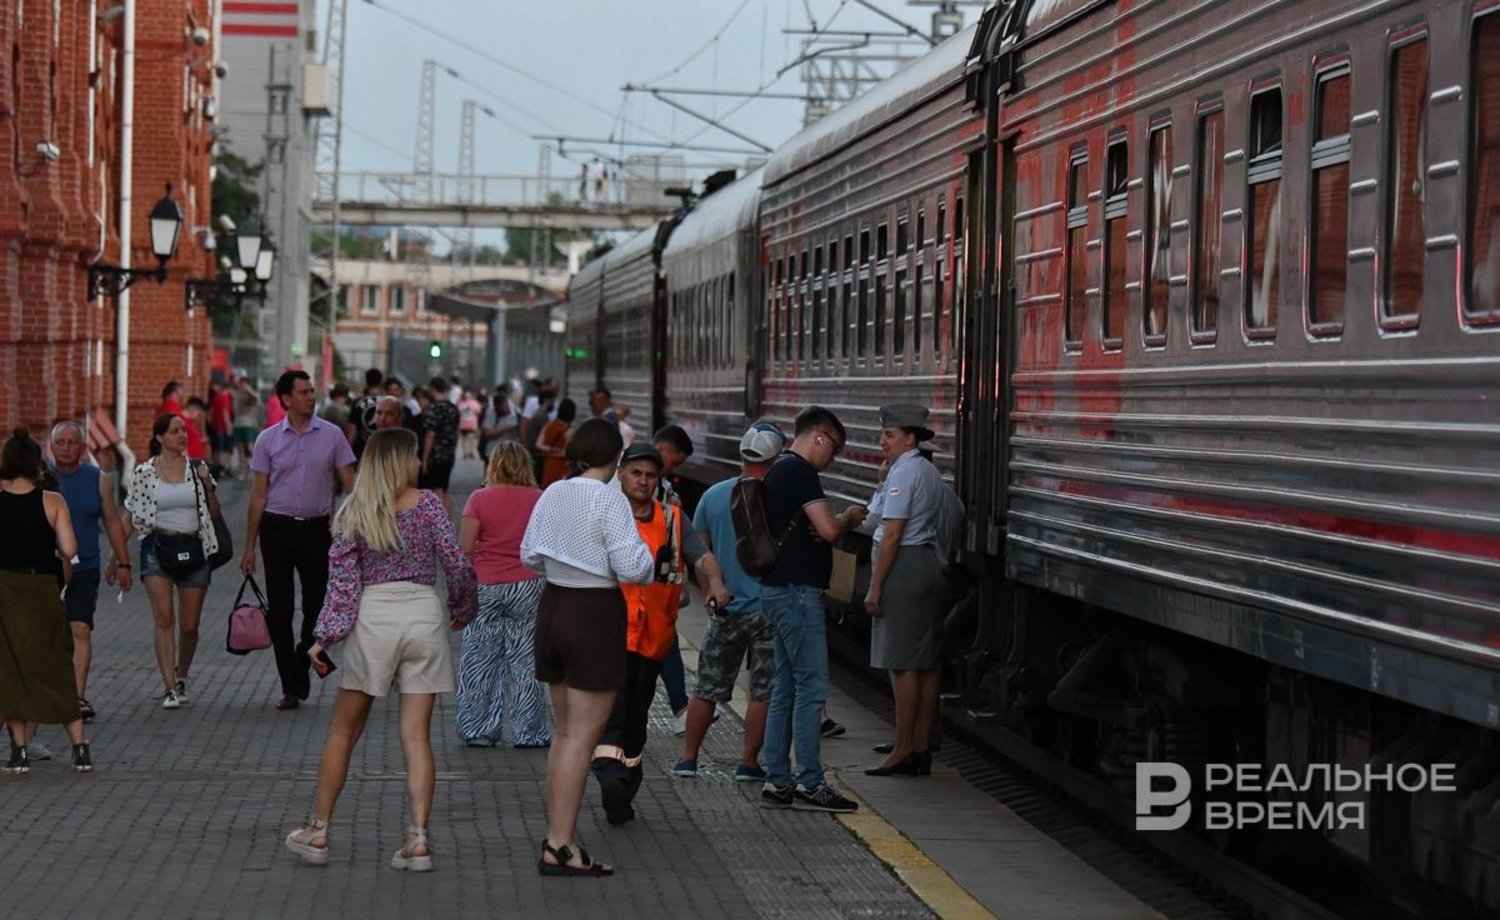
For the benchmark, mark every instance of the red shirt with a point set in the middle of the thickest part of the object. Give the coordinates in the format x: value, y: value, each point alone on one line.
x: 197, y: 448
x: 503, y: 513
x: 222, y: 408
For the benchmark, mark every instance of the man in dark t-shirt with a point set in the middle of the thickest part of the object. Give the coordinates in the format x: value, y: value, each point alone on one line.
x: 362, y: 413
x: 439, y: 441
x: 792, y: 594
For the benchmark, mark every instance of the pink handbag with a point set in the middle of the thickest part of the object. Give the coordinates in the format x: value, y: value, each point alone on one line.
x: 247, y: 623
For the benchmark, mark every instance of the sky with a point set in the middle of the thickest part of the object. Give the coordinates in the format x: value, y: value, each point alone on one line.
x: 557, y: 67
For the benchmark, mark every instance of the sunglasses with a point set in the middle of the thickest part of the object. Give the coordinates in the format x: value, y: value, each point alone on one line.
x: 838, y: 446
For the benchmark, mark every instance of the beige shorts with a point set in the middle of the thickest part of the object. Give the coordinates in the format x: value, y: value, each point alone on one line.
x: 399, y: 642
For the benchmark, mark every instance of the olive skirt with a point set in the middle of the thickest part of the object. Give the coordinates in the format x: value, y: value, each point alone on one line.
x: 907, y: 633
x: 36, y: 651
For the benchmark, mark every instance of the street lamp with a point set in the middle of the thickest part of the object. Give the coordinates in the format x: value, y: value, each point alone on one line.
x: 247, y: 243
x: 166, y: 228
x: 265, y: 263
x: 235, y: 280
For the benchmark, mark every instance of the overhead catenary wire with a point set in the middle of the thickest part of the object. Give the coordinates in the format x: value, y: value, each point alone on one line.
x: 705, y: 46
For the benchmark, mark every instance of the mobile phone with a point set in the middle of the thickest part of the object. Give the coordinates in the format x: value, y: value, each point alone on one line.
x: 322, y: 664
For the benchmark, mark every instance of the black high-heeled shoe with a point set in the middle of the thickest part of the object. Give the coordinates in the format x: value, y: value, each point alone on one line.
x: 906, y: 766
x: 885, y: 747
x: 924, y: 763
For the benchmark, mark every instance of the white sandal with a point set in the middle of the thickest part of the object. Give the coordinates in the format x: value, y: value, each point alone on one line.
x: 415, y: 837
x: 300, y: 841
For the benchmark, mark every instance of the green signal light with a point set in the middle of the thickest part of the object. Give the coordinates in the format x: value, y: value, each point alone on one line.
x: 435, y: 350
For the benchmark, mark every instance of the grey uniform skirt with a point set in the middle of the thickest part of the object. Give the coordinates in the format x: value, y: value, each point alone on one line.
x: 913, y: 603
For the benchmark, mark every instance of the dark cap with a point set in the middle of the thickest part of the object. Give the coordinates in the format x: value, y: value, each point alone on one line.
x: 905, y: 415
x: 642, y: 450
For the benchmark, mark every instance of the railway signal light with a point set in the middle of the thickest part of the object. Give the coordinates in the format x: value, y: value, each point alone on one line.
x: 435, y: 350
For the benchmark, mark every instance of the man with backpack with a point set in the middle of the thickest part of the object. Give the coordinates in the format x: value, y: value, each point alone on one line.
x: 741, y: 632
x: 804, y: 527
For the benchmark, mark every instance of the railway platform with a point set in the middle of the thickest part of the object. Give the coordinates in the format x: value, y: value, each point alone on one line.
x: 184, y: 815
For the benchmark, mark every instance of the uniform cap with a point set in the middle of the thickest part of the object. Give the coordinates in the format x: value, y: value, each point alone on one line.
x: 905, y: 415
x: 762, y: 442
x: 642, y: 450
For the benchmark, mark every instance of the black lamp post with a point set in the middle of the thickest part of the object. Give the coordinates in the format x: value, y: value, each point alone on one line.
x: 166, y: 228
x: 257, y: 264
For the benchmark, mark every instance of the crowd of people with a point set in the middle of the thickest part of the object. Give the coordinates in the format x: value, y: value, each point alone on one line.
x: 567, y: 569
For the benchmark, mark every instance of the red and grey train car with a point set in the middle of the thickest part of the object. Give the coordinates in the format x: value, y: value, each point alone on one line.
x: 1204, y: 296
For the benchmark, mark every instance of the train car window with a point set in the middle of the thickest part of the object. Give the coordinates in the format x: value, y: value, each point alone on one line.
x: 862, y: 330
x: 956, y: 309
x: 815, y: 348
x: 803, y: 320
x: 882, y: 268
x: 779, y: 327
x: 919, y: 263
x: 1158, y: 240
x: 1115, y: 304
x: 939, y: 273
x: 1209, y: 242
x: 1406, y: 203
x: 1483, y: 302
x: 1330, y: 211
x: 731, y: 333
x: 1263, y: 232
x: 848, y: 268
x: 903, y: 275
x: 1078, y: 257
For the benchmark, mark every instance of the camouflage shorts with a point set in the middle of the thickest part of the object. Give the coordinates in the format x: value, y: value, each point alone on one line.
x: 732, y: 638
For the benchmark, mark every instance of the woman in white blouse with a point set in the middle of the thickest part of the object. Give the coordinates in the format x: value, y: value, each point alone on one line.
x: 169, y: 495
x: 582, y: 537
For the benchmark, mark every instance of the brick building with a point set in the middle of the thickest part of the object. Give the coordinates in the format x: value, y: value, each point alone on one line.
x: 62, y: 82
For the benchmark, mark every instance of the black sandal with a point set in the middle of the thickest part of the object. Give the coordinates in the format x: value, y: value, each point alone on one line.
x: 563, y: 855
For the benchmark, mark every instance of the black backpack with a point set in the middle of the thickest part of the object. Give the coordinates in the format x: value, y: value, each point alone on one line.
x: 754, y: 546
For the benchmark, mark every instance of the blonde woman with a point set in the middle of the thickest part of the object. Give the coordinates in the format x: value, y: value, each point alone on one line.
x: 496, y: 671
x: 389, y: 539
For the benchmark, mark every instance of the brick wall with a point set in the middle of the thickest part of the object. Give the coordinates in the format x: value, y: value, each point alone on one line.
x: 57, y: 350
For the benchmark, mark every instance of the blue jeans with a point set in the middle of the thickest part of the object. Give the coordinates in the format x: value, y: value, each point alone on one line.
x: 801, y: 684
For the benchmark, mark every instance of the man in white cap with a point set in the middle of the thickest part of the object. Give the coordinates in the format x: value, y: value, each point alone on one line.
x: 740, y: 633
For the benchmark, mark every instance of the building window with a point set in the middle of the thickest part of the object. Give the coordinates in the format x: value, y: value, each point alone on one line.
x: 1330, y: 213
x: 1078, y: 255
x: 343, y: 300
x: 1158, y: 242
x: 398, y: 299
x: 1263, y: 231
x: 1406, y: 204
x: 369, y: 301
x: 1483, y: 302
x: 1115, y: 304
x: 1208, y: 251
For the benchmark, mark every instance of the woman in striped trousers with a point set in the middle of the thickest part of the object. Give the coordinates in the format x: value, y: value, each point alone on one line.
x: 497, y: 670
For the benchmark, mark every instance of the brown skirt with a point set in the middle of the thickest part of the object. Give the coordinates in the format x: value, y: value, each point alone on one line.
x: 580, y: 637
x: 36, y: 651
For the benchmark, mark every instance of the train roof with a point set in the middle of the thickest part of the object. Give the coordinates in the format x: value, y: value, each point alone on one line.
x: 588, y: 274
x: 633, y: 248
x: 724, y: 213
x: 939, y: 68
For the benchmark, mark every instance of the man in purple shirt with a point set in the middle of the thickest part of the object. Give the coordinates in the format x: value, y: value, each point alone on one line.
x: 295, y: 461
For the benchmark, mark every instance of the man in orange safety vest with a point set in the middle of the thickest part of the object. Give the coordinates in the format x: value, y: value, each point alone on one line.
x: 652, y: 611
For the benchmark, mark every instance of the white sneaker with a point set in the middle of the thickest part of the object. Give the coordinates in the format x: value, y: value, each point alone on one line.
x: 169, y: 700
x: 181, y: 691
x: 679, y: 722
x: 38, y: 751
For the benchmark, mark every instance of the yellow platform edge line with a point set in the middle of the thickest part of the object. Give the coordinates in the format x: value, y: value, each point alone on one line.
x: 926, y: 879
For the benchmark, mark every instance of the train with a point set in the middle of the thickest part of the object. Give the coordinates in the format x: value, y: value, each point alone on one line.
x: 1204, y: 297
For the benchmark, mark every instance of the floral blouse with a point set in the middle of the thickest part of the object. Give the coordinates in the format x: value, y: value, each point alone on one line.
x: 429, y: 540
